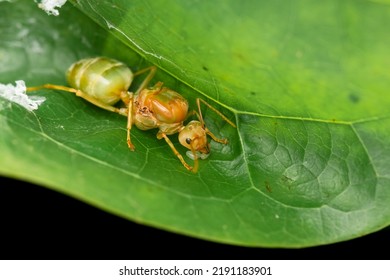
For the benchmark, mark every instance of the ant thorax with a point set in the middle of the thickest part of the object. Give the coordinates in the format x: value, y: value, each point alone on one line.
x: 160, y: 107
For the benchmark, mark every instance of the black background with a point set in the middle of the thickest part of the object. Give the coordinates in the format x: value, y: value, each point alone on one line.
x: 38, y: 223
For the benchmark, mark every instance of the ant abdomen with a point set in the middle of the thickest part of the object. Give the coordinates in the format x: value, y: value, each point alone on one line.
x: 102, y: 78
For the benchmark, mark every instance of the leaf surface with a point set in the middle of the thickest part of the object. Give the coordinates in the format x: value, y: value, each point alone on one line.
x: 305, y: 83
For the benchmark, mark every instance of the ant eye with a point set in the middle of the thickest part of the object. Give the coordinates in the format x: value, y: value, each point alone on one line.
x: 188, y: 141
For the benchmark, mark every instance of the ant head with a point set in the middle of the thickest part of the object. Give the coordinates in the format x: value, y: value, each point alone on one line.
x: 193, y: 136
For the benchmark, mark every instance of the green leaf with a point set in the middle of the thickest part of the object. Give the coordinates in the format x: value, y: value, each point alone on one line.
x: 305, y: 82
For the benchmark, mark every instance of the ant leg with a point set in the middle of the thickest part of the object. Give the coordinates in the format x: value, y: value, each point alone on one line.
x: 79, y: 93
x: 191, y: 113
x: 152, y: 71
x: 198, y: 100
x: 194, y: 169
x: 222, y: 141
x: 128, y: 99
x: 130, y: 120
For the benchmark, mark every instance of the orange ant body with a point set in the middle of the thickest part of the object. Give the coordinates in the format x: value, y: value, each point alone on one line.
x: 103, y: 82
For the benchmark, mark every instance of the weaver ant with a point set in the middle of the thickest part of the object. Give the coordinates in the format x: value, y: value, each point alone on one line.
x: 104, y: 81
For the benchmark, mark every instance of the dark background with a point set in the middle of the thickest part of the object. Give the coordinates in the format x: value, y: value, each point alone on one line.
x: 38, y: 223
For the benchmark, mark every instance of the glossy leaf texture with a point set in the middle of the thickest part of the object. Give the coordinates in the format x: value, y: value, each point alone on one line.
x: 305, y: 81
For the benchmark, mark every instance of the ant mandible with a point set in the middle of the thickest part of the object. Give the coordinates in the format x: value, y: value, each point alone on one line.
x: 104, y: 81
